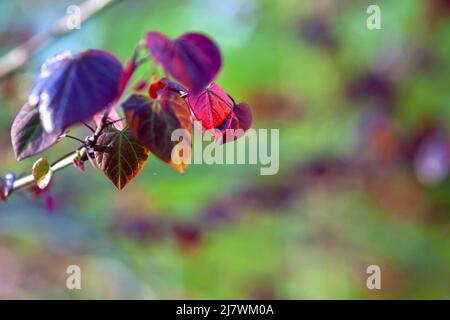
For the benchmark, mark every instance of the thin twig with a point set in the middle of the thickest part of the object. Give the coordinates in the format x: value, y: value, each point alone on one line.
x: 20, y: 55
x: 67, y: 155
x: 28, y: 181
x: 114, y: 121
x: 64, y: 161
x: 143, y: 60
x: 73, y: 138
x: 88, y: 126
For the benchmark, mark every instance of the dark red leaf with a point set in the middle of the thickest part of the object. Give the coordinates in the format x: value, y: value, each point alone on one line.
x: 241, y: 119
x: 122, y: 157
x: 244, y: 116
x: 72, y: 88
x: 28, y: 136
x: 152, y: 122
x: 192, y: 59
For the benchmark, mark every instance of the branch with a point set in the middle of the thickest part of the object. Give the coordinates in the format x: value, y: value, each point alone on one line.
x: 67, y: 160
x: 20, y: 55
x: 28, y: 181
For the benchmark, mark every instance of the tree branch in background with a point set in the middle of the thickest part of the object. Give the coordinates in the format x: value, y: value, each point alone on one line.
x: 19, y: 56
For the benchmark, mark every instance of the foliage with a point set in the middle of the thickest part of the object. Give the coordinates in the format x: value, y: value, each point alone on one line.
x: 74, y: 88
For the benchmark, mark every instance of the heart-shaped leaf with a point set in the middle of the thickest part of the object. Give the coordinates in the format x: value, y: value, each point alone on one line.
x: 152, y: 122
x: 121, y: 157
x: 42, y: 173
x: 72, y: 88
x: 28, y: 136
x: 192, y: 59
x: 213, y: 107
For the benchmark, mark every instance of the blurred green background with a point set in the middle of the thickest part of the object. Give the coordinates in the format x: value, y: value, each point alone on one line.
x: 364, y: 161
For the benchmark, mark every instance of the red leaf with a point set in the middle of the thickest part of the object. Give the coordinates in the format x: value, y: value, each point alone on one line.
x: 213, y: 107
x: 152, y: 122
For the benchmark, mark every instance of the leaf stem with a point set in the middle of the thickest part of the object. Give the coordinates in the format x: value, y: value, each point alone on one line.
x: 72, y: 137
x: 88, y: 126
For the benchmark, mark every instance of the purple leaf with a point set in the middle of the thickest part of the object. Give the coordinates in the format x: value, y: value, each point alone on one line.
x: 28, y: 136
x: 72, y: 88
x: 242, y: 119
x: 244, y: 116
x: 192, y: 59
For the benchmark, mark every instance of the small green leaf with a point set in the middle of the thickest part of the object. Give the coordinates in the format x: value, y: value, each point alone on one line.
x: 42, y: 173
